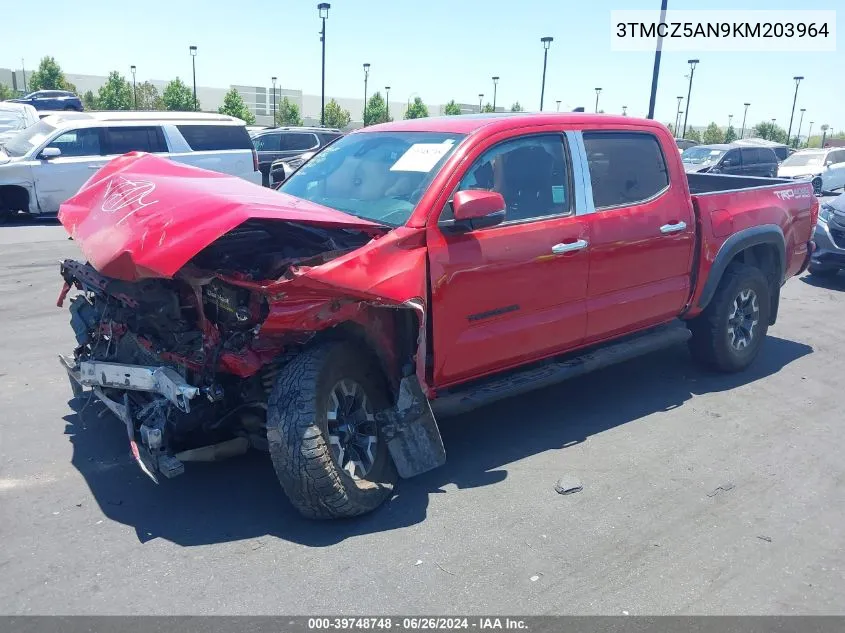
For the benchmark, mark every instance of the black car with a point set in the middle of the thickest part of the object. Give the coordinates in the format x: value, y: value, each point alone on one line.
x: 52, y: 100
x: 731, y: 160
x: 286, y: 143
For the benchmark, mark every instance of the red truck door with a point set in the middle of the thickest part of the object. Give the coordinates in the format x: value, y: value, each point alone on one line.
x: 643, y: 233
x: 514, y: 292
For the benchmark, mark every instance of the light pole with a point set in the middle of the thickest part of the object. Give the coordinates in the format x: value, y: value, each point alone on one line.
x: 598, y: 92
x: 558, y: 105
x: 655, y: 73
x: 824, y: 134
x: 193, y: 50
x: 800, y: 123
x: 792, y: 114
x: 366, y: 76
x: 273, y: 79
x: 23, y: 72
x: 772, y: 131
x: 678, y: 116
x: 323, y: 10
x: 547, y: 41
x: 624, y: 110
x: 134, y: 89
x: 387, y: 102
x: 744, y: 115
x: 730, y: 118
x: 809, y: 133
x: 480, y: 97
x: 495, y: 84
x: 692, y: 64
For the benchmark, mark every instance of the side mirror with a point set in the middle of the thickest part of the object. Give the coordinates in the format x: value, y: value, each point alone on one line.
x: 476, y: 209
x: 50, y: 152
x: 828, y: 163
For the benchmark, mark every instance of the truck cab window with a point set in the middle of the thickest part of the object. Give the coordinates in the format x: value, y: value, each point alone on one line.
x: 626, y: 168
x: 531, y: 173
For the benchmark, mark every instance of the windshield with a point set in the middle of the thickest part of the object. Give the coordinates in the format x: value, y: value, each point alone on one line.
x: 29, y: 138
x: 804, y: 160
x: 701, y: 155
x: 379, y: 176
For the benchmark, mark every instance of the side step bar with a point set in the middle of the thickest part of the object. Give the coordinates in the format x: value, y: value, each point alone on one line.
x: 557, y: 370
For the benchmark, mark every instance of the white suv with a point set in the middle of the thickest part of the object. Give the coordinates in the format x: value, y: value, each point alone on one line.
x: 47, y: 163
x: 824, y: 167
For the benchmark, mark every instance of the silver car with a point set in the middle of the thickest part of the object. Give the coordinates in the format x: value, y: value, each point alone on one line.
x: 829, y: 256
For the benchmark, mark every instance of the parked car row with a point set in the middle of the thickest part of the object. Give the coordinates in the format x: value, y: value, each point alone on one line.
x: 15, y: 117
x: 48, y: 162
x: 288, y: 143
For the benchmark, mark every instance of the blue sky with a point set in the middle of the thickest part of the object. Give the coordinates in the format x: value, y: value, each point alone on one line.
x: 438, y: 49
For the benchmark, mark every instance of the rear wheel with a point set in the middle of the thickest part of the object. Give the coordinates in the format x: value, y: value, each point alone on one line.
x: 327, y: 449
x: 817, y: 186
x: 727, y: 336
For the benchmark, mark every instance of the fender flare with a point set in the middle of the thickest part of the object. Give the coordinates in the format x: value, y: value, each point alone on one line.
x: 742, y: 240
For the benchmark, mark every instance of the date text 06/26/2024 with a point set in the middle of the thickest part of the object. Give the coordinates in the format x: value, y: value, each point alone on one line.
x: 724, y: 30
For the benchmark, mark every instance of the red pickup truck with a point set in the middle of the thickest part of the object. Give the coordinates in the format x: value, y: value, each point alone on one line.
x: 449, y: 261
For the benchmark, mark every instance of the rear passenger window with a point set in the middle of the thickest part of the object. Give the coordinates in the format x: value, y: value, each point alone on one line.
x: 123, y: 140
x: 750, y: 156
x: 84, y: 142
x: 625, y: 167
x: 215, y: 137
x: 267, y: 142
x: 299, y: 142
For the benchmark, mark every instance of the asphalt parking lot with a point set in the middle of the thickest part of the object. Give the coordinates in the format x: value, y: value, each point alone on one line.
x: 702, y: 493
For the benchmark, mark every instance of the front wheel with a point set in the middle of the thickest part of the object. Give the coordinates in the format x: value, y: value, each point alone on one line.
x: 727, y: 336
x: 817, y: 186
x: 328, y: 451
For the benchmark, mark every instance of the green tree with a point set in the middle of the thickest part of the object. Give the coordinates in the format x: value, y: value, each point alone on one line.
x: 730, y: 134
x: 516, y: 107
x: 89, y: 101
x: 376, y: 110
x: 416, y: 109
x: 49, y: 76
x: 179, y: 97
x: 148, y: 97
x: 233, y: 105
x: 488, y: 107
x: 769, y: 131
x: 288, y: 113
x: 693, y: 135
x: 6, y: 92
x: 713, y: 134
x: 335, y: 116
x: 452, y: 108
x: 671, y: 127
x: 115, y: 94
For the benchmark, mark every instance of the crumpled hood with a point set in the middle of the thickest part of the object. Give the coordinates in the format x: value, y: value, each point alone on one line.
x: 145, y: 216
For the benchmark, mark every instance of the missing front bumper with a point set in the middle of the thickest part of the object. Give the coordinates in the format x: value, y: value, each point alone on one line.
x: 159, y: 380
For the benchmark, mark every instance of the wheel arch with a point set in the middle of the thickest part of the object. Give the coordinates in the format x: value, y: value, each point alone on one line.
x: 762, y: 246
x: 14, y: 198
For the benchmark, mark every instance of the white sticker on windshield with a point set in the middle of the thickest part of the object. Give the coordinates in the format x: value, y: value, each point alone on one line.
x: 715, y: 152
x: 422, y: 156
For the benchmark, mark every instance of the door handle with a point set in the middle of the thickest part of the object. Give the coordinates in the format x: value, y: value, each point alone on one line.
x: 673, y: 228
x: 569, y: 247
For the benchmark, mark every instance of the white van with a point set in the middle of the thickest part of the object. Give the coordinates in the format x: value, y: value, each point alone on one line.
x: 47, y: 163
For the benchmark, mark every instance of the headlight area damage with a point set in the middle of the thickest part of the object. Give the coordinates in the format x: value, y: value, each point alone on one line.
x: 213, y: 314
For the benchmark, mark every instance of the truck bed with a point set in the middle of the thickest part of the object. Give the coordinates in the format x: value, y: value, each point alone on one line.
x: 719, y: 183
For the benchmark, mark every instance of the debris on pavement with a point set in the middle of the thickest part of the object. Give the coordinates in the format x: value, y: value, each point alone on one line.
x: 768, y: 539
x: 444, y: 569
x: 419, y: 562
x: 568, y: 486
x: 722, y: 488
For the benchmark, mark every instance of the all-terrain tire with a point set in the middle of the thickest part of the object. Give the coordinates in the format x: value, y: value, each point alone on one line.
x: 298, y: 438
x: 823, y: 272
x: 711, y: 339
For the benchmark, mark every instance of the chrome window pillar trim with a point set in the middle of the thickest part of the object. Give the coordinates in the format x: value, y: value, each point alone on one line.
x: 580, y: 174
